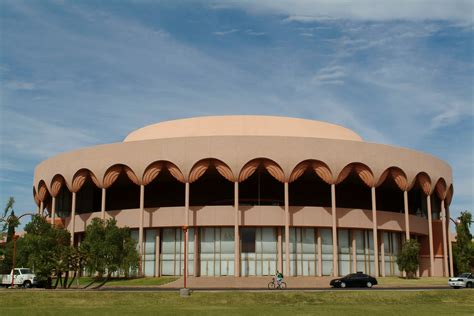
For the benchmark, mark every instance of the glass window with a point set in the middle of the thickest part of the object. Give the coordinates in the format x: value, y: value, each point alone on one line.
x: 248, y: 240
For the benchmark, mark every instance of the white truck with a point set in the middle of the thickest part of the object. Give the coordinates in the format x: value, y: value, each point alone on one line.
x: 21, y: 277
x: 462, y: 280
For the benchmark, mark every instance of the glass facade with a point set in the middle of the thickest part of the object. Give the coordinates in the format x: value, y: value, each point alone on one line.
x: 259, y: 251
x: 172, y: 251
x: 216, y: 251
x: 303, y: 251
x: 391, y: 250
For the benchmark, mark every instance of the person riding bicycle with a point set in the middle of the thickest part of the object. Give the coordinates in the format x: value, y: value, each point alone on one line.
x: 279, y: 277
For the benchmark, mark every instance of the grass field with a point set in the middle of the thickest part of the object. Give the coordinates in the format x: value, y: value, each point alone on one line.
x: 397, y: 281
x: 41, y: 302
x: 83, y: 281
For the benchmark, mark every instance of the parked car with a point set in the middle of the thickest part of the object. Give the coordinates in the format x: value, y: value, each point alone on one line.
x: 462, y: 280
x: 21, y: 277
x: 358, y: 279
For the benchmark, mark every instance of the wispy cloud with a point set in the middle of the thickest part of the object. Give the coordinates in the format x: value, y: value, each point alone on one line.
x: 330, y: 75
x: 223, y: 33
x: 254, y: 33
x: 18, y: 85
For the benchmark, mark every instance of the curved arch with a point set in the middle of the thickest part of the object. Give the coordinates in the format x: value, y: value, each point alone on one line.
x: 35, y: 197
x: 80, y: 178
x: 56, y: 184
x: 362, y: 171
x: 42, y: 191
x: 152, y: 171
x: 320, y: 168
x: 424, y: 181
x: 441, y: 189
x: 111, y: 175
x: 400, y: 178
x: 131, y: 174
x: 271, y: 166
x: 449, y: 195
x: 200, y: 167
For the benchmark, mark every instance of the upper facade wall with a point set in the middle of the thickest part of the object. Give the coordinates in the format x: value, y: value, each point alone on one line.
x: 236, y: 151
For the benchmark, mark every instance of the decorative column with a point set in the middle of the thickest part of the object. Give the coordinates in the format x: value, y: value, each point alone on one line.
x: 279, y: 252
x: 196, y: 253
x: 186, y: 225
x: 430, y: 231
x: 287, y: 230
x: 53, y: 210
x: 41, y: 208
x: 450, y: 249
x: 157, y: 253
x: 320, y: 255
x: 445, y: 246
x: 236, y: 231
x: 334, y: 231
x: 382, y: 253
x: 354, y: 252
x: 374, y: 230
x: 102, y: 204
x: 140, y: 227
x: 407, y: 215
x: 73, y: 217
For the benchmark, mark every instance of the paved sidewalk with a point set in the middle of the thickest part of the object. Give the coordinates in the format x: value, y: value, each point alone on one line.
x: 228, y: 282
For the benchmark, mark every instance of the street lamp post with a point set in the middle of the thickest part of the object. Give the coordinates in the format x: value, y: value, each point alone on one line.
x: 184, y: 292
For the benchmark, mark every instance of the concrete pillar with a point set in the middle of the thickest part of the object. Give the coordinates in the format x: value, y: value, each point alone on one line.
x: 287, y: 230
x: 335, y: 269
x: 140, y: 227
x: 53, y: 210
x: 41, y: 208
x: 374, y: 229
x: 354, y: 252
x: 320, y: 255
x: 73, y: 217
x: 382, y: 252
x: 430, y: 234
x: 407, y: 215
x: 157, y: 253
x: 445, y: 245
x: 236, y: 231
x: 186, y: 223
x: 196, y: 253
x: 102, y: 205
x: 279, y: 252
x: 450, y: 249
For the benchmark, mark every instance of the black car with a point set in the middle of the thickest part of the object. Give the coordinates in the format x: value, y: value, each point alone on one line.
x: 358, y: 279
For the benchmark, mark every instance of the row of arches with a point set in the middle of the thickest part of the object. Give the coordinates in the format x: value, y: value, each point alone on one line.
x: 260, y: 183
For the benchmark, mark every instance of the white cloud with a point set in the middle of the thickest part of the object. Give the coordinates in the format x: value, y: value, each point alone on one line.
x: 330, y: 75
x: 373, y: 10
x: 223, y: 33
x: 19, y: 85
x: 305, y: 34
x: 254, y: 33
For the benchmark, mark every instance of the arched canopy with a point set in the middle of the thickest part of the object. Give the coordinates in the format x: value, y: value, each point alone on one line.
x: 272, y: 167
x: 36, y: 198
x: 441, y: 189
x: 449, y: 195
x: 361, y: 170
x: 42, y: 191
x: 203, y: 165
x: 80, y: 178
x: 56, y: 184
x: 155, y: 168
x: 424, y: 181
x: 319, y: 167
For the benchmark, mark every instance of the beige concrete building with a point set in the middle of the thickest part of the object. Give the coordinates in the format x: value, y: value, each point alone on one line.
x: 257, y: 193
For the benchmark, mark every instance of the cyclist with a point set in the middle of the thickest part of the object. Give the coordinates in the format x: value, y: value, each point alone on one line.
x: 279, y: 277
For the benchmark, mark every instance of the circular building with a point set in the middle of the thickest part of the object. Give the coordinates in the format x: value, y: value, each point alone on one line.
x: 254, y: 194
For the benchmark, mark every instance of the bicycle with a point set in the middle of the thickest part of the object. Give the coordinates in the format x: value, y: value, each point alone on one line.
x: 273, y: 285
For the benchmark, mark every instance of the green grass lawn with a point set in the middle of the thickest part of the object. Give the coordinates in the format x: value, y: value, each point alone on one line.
x: 397, y: 281
x: 83, y: 281
x: 42, y: 302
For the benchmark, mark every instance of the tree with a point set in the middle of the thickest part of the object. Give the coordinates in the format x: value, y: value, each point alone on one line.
x: 108, y: 248
x: 408, y: 258
x: 46, y: 248
x: 10, y: 222
x: 463, y: 249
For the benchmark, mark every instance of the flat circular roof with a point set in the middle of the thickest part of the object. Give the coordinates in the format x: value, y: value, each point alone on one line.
x: 242, y: 125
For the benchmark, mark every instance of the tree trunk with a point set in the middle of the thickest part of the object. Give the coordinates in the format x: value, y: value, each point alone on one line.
x: 105, y: 281
x: 66, y: 277
x: 73, y: 278
x: 57, y: 281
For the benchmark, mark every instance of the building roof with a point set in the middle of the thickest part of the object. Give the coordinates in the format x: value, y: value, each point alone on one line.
x: 242, y: 125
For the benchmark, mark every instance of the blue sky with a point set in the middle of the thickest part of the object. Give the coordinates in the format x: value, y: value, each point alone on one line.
x: 81, y: 73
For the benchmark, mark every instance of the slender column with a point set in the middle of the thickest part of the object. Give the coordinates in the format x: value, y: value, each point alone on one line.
x: 157, y: 253
x: 287, y: 231
x: 186, y: 224
x: 140, y: 229
x: 450, y: 247
x: 53, y: 211
x: 407, y: 215
x: 382, y: 252
x: 279, y: 252
x: 445, y: 246
x: 354, y: 252
x: 102, y: 204
x: 374, y: 229
x: 430, y: 231
x: 73, y: 217
x: 334, y: 231
x: 236, y: 231
x: 320, y: 255
x: 196, y: 253
x: 41, y: 208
